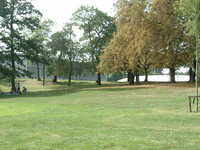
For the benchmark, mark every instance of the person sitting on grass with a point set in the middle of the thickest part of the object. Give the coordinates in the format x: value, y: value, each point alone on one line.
x: 24, y: 90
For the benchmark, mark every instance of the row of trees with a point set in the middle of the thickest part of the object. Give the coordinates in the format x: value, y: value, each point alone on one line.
x: 152, y: 34
x: 145, y: 34
x: 84, y: 54
x: 24, y: 36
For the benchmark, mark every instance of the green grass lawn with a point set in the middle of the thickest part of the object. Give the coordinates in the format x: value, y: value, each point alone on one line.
x: 90, y: 117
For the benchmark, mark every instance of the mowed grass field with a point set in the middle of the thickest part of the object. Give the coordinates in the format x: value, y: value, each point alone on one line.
x: 90, y: 117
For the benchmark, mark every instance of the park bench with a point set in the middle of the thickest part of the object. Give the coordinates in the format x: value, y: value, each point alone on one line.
x: 190, y: 99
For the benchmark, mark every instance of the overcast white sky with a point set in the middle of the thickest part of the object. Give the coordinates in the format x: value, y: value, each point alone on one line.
x: 60, y: 11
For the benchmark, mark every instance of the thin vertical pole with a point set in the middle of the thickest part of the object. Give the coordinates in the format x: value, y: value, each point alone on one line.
x: 197, y: 59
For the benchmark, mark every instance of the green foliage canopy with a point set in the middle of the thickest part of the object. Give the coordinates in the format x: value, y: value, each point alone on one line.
x: 17, y: 20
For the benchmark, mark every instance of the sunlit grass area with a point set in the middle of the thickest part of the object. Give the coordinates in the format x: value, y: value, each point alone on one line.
x: 90, y: 117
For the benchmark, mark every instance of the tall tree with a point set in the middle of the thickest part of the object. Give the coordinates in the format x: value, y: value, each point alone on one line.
x: 64, y: 47
x: 130, y: 45
x: 170, y: 34
x: 56, y: 45
x: 98, y: 28
x: 72, y: 49
x: 190, y: 9
x: 19, y: 19
x: 41, y: 38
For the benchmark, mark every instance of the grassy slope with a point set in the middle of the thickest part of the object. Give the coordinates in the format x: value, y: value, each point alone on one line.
x: 86, y: 117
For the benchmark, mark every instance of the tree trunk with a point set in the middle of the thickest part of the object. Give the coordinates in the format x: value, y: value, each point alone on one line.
x: 13, y: 84
x: 131, y: 78
x: 192, y: 75
x: 38, y: 72
x: 129, y: 75
x: 137, y: 78
x: 55, y: 79
x: 12, y: 48
x: 70, y: 73
x: 146, y: 76
x: 69, y: 79
x: 13, y: 71
x: 192, y: 71
x: 146, y: 68
x: 172, y: 74
x: 99, y: 79
x: 43, y: 74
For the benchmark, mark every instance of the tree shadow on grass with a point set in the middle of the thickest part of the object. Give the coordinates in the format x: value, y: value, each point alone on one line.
x: 36, y: 94
x: 61, y: 88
